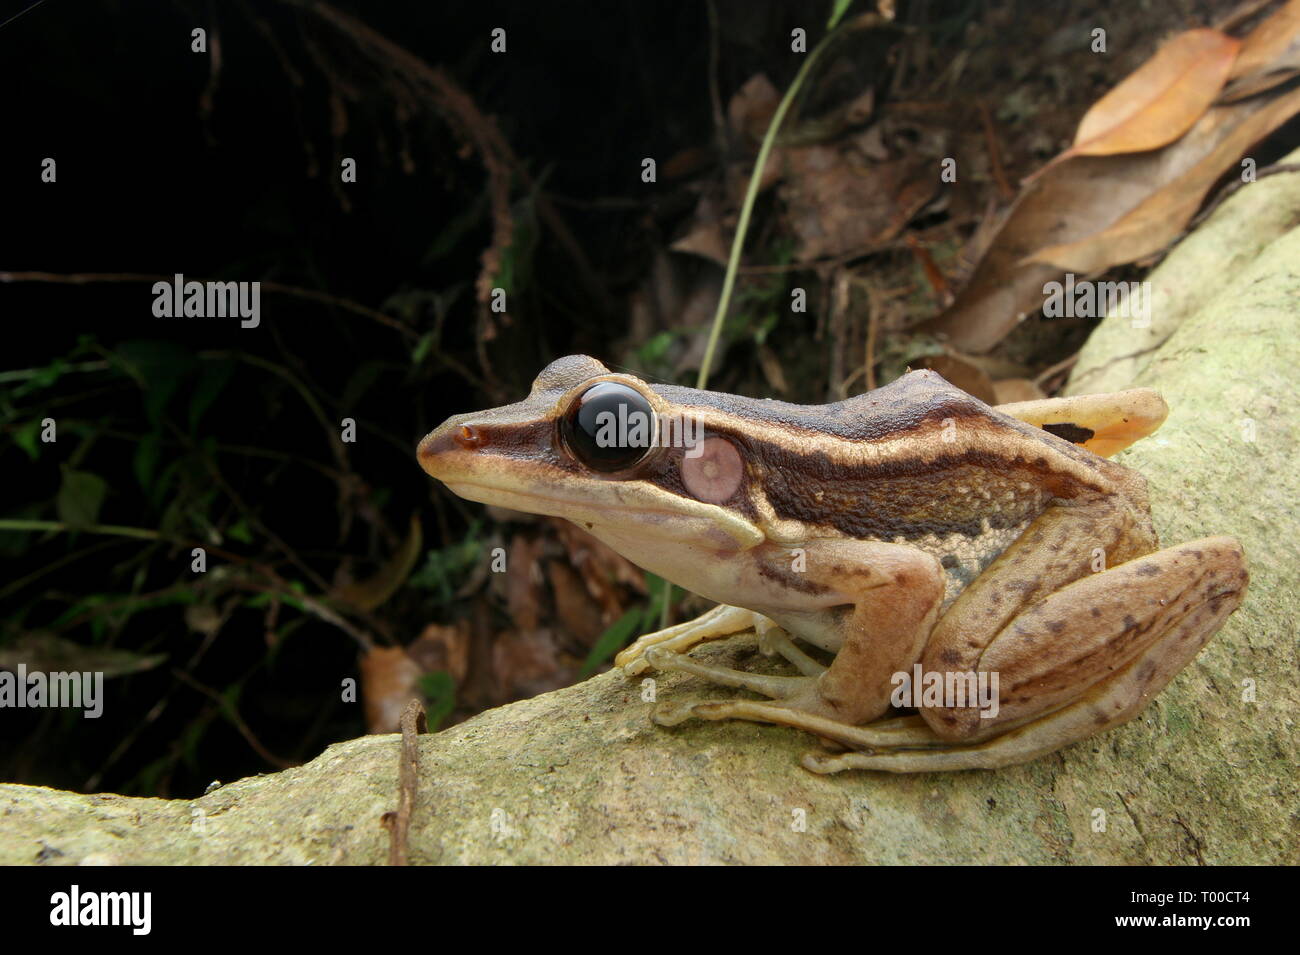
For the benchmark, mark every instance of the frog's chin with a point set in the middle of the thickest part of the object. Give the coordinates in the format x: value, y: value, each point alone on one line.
x: 630, y: 527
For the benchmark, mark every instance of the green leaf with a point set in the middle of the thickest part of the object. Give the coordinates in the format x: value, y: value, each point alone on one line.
x: 158, y: 368
x: 455, y: 230
x: 444, y: 569
x: 81, y: 495
x: 44, y: 378
x: 25, y: 437
x: 439, y: 689
x: 145, y: 460
x: 612, y: 640
x: 239, y: 531
x: 421, y: 350
x: 212, y: 381
x: 361, y: 381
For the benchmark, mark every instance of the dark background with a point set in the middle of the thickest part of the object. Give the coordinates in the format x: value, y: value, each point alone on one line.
x: 241, y: 183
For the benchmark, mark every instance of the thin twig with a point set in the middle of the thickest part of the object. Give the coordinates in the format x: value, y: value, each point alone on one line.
x: 414, y: 722
x: 995, y: 155
x: 237, y: 721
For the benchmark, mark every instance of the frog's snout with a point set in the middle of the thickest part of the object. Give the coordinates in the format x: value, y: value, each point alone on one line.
x: 449, y: 441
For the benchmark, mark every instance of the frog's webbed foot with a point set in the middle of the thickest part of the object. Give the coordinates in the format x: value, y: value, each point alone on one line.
x: 903, y: 744
x: 776, y: 687
x: 721, y: 621
x: 909, y: 731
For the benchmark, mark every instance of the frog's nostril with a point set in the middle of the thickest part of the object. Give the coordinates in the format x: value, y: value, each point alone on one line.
x: 468, y: 437
x: 443, y: 446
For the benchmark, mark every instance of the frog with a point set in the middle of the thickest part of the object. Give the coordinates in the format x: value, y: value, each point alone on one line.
x: 908, y: 537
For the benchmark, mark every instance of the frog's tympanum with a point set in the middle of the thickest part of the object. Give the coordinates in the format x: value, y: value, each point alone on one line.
x: 911, y: 540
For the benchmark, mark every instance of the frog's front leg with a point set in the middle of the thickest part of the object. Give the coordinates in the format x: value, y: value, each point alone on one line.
x: 872, y: 604
x: 721, y: 621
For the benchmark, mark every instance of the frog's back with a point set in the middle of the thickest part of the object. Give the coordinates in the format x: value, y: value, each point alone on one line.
x: 918, y: 461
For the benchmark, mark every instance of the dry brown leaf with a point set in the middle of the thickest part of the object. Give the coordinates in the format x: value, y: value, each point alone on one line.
x: 956, y: 371
x: 750, y: 109
x: 442, y: 648
x: 374, y: 591
x: 706, y: 240
x: 526, y: 664
x: 1158, y: 219
x: 592, y: 558
x: 574, y: 607
x: 43, y: 651
x: 1161, y: 99
x: 1071, y: 200
x: 837, y: 204
x: 523, y: 582
x: 1011, y: 390
x: 388, y: 682
x: 1063, y: 218
x: 1272, y: 41
x: 390, y: 676
x: 1258, y: 83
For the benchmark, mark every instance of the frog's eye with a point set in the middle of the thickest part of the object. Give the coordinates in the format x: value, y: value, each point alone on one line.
x: 609, y: 427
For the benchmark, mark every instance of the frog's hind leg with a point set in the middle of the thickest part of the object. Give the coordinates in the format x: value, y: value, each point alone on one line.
x: 1108, y: 704
x: 1114, y: 700
x: 900, y: 731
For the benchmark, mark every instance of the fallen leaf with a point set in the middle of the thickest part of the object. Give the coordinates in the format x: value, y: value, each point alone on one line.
x: 1160, y: 100
x: 836, y: 203
x: 961, y: 373
x: 374, y: 591
x: 388, y: 682
x: 526, y: 664
x: 749, y: 112
x: 1011, y: 390
x: 442, y: 647
x: 1158, y: 219
x: 45, y: 652
x: 1092, y: 212
x: 391, y: 676
x: 523, y: 582
x: 574, y: 607
x: 1270, y: 45
x: 1071, y: 200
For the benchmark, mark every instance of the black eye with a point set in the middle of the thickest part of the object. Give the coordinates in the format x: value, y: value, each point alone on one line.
x: 609, y: 427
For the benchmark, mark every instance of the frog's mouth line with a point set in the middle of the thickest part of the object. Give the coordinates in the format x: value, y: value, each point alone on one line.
x: 743, y: 532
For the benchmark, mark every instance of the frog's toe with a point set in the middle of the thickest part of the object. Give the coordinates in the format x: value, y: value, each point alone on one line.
x: 673, y: 714
x: 775, y: 687
x: 722, y: 621
x: 774, y: 640
x: 936, y: 760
